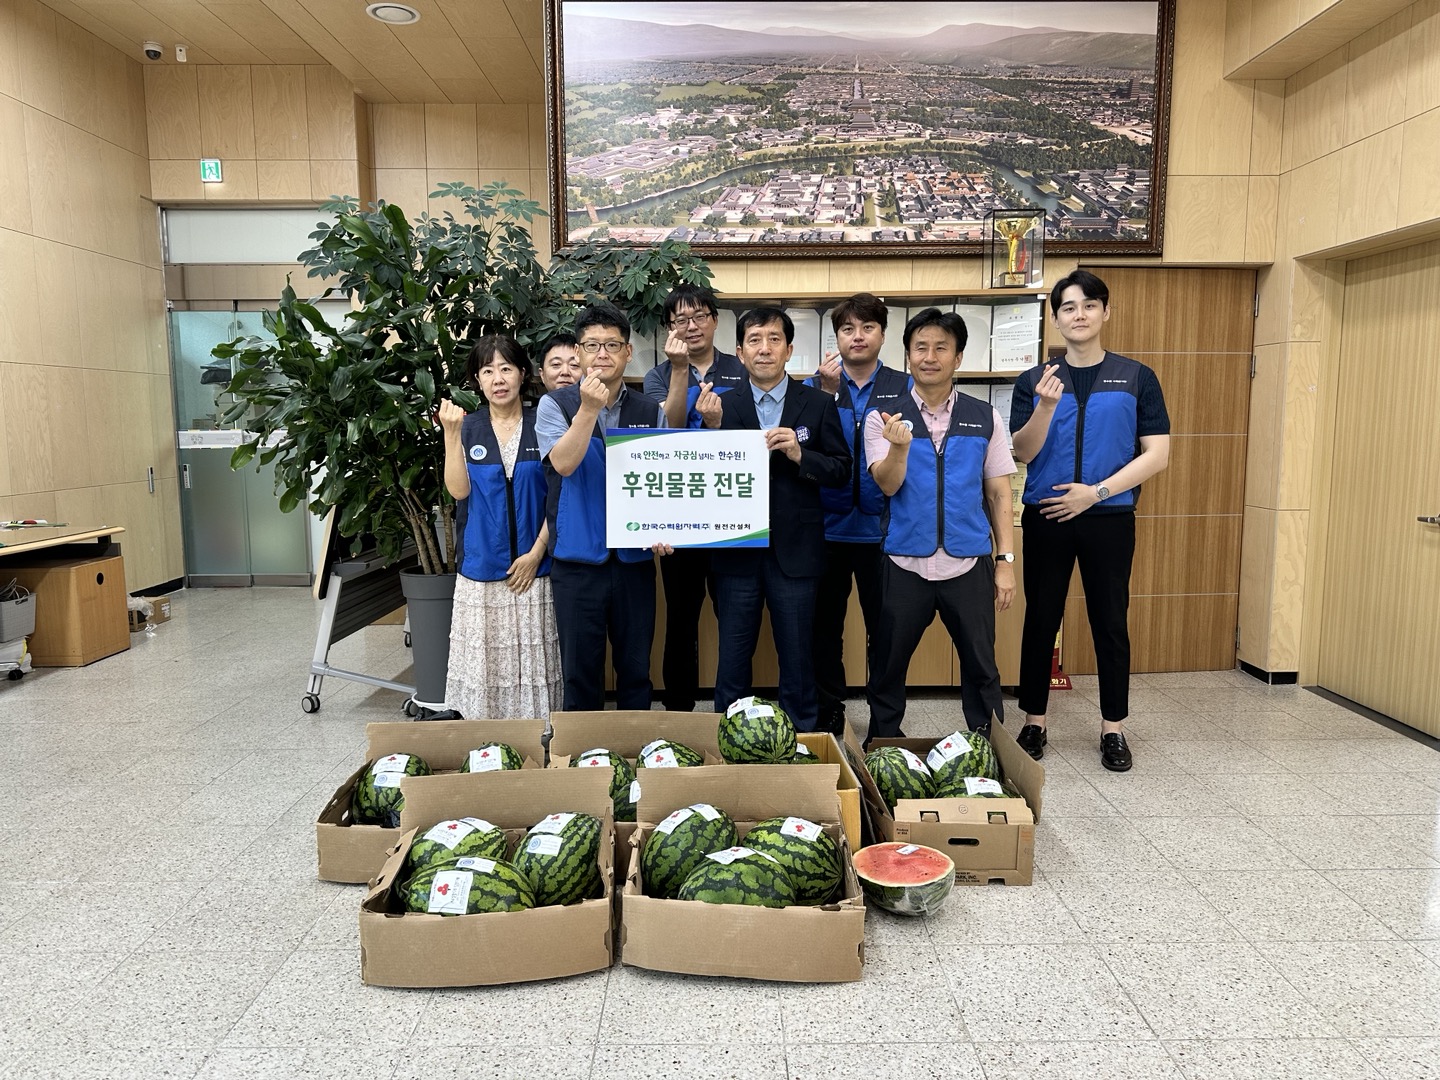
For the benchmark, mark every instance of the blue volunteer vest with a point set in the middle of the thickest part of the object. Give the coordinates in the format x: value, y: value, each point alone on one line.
x: 942, y: 501
x: 1091, y: 439
x: 502, y: 514
x: 576, y: 505
x: 852, y: 514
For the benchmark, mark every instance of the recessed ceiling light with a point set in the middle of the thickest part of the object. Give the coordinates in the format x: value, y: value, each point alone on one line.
x: 393, y: 14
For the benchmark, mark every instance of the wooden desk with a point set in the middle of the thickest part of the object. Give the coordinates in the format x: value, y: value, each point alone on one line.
x: 93, y: 542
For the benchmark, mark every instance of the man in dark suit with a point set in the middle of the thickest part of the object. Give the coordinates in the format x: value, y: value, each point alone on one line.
x: 808, y: 450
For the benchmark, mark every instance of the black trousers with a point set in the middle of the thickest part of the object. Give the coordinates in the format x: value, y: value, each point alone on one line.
x: 843, y: 561
x: 616, y: 600
x: 686, y: 574
x: 1104, y: 546
x: 966, y: 606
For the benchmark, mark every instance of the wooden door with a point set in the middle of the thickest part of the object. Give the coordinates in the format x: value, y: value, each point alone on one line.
x: 1380, y: 630
x: 1195, y: 328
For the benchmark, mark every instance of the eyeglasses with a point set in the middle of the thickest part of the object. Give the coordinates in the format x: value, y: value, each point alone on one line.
x: 679, y: 322
x: 614, y: 348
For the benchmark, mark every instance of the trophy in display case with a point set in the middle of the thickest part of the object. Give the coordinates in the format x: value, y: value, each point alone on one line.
x: 1015, y: 244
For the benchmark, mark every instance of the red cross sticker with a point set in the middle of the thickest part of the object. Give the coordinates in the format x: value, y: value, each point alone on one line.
x: 453, y: 826
x: 443, y: 890
x: 799, y: 827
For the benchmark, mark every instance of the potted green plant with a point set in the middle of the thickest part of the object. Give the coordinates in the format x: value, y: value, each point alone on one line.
x: 346, y: 412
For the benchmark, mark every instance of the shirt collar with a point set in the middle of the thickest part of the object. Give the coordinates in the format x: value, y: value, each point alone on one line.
x: 777, y: 391
x: 942, y: 410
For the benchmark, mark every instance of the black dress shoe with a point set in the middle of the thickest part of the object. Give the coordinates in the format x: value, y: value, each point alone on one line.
x: 1114, y: 752
x: 1032, y: 740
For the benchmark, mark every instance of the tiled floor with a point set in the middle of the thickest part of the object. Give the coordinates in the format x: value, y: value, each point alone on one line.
x: 1260, y: 897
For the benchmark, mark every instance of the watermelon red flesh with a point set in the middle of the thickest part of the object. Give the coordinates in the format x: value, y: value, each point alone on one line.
x: 905, y: 879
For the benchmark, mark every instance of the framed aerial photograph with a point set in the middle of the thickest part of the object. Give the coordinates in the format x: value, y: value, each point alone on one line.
x: 875, y: 128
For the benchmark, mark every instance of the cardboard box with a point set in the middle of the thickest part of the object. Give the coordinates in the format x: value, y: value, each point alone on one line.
x: 987, y: 839
x: 628, y: 732
x: 795, y: 944
x: 409, y: 949
x: 352, y: 853
x: 79, y: 609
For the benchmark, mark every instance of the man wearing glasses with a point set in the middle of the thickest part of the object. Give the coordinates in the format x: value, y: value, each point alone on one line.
x: 694, y: 373
x: 808, y: 450
x: 597, y: 589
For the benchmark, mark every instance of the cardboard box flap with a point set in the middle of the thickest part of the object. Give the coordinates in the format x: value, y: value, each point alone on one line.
x: 389, y: 871
x: 444, y: 744
x: 627, y: 732
x: 1020, y: 768
x: 965, y: 811
x: 506, y: 799
x: 745, y: 792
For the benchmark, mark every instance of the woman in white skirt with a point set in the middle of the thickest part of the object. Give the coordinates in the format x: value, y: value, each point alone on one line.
x: 504, y: 649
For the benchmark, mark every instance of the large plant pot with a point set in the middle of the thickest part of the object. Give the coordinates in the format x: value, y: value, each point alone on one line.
x: 429, y: 598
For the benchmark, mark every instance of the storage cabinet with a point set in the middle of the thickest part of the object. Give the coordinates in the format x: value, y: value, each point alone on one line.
x: 79, y: 609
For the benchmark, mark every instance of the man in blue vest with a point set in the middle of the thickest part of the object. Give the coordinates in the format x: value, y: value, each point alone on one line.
x: 860, y: 384
x: 808, y: 451
x: 597, y: 589
x: 1093, y: 427
x: 693, y: 373
x: 943, y: 463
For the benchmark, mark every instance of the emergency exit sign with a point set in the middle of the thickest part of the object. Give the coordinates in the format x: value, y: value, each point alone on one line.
x: 210, y: 170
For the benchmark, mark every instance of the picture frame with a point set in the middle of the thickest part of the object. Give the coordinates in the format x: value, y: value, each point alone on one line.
x: 874, y: 129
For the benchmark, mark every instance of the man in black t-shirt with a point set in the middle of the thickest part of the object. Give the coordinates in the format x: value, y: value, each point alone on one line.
x: 1092, y: 428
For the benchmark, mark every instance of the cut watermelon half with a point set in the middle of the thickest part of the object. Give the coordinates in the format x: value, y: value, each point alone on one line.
x: 905, y: 879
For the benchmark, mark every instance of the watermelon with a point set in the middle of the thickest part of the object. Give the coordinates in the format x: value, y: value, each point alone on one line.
x: 738, y: 875
x: 467, y: 887
x: 492, y: 757
x: 973, y: 787
x: 898, y: 774
x: 805, y: 756
x: 906, y: 879
x: 377, y: 798
x: 810, y: 856
x: 455, y: 839
x: 622, y: 776
x: 560, y: 857
x: 961, y: 754
x: 679, y: 843
x: 756, y: 731
x: 664, y: 754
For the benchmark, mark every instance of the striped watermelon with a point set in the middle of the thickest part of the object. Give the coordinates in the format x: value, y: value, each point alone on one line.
x: 973, y: 787
x: 622, y: 776
x: 679, y: 843
x: 756, y: 731
x: 738, y: 875
x: 898, y: 774
x: 905, y: 879
x: 457, y: 838
x: 467, y: 887
x: 492, y: 757
x: 810, y: 856
x: 377, y: 799
x: 961, y: 754
x: 560, y: 857
x: 664, y: 754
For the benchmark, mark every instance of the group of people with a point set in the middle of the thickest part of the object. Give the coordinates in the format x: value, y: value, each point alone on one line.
x: 895, y: 484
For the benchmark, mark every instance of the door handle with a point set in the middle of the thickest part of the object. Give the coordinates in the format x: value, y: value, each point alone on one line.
x: 1434, y: 520
x: 185, y: 476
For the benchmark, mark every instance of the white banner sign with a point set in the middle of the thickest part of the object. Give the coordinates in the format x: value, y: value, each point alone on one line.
x: 686, y: 488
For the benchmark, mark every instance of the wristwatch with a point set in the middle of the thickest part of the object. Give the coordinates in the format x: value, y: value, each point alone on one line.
x: 1009, y: 556
x: 1102, y: 492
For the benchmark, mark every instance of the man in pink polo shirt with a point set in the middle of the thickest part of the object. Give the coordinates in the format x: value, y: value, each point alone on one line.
x: 944, y: 465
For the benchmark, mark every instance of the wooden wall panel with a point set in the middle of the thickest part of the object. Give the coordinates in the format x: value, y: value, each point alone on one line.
x: 1201, y: 478
x: 172, y: 112
x: 227, y: 112
x: 1179, y: 633
x: 279, y: 100
x: 1205, y: 393
x: 1157, y: 310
